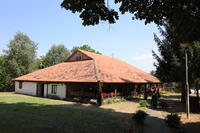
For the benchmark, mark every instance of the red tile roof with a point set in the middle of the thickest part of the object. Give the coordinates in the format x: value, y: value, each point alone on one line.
x: 110, y: 69
x: 101, y: 68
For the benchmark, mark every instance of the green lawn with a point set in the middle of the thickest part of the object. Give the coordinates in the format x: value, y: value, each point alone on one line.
x: 25, y: 114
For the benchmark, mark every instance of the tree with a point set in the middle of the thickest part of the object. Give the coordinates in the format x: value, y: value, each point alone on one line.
x: 86, y: 48
x: 21, y: 53
x: 170, y: 65
x: 57, y: 54
x: 183, y: 15
x: 17, y: 59
x: 153, y: 73
x: 4, y: 77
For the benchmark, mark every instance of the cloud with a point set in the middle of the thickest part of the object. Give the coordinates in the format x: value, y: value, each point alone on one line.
x: 143, y: 57
x: 143, y: 61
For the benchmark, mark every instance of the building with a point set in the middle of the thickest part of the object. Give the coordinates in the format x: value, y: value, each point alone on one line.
x: 83, y: 74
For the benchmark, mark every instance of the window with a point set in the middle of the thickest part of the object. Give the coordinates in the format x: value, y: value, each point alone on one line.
x: 20, y: 85
x: 54, y: 89
x: 78, y: 57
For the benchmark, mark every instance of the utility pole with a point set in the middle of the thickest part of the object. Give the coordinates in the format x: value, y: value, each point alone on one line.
x: 187, y: 85
x: 186, y: 45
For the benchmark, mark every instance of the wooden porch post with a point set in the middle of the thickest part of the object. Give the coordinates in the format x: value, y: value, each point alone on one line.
x: 47, y: 89
x: 115, y: 92
x: 99, y: 96
x: 145, y: 91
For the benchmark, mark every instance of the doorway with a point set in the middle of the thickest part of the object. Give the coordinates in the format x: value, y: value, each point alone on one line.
x: 40, y: 89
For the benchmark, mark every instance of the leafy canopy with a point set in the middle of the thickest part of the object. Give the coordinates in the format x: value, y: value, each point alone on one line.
x: 170, y: 63
x: 56, y: 54
x: 17, y: 60
x: 86, y: 48
x: 21, y: 54
x: 183, y: 15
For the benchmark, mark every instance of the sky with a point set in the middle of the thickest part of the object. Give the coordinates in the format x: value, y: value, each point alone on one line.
x: 46, y: 23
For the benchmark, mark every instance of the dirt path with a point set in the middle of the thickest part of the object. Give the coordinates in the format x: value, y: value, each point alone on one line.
x: 154, y: 123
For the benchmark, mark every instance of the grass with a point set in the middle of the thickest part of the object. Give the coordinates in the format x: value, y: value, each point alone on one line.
x: 20, y: 113
x: 191, y: 125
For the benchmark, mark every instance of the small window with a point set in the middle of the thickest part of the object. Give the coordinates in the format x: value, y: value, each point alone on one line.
x: 78, y: 57
x: 54, y: 89
x: 20, y: 85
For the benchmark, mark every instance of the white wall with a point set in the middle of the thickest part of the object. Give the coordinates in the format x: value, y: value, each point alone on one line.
x: 61, y: 90
x: 30, y: 88
x: 27, y: 88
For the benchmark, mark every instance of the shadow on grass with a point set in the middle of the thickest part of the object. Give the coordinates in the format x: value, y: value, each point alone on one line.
x: 25, y: 117
x: 193, y: 127
x: 174, y: 105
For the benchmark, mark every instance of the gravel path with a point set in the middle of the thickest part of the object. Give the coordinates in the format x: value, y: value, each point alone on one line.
x: 155, y: 123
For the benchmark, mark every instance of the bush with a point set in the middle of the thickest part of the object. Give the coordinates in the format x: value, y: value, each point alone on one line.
x: 163, y: 92
x: 122, y: 99
x: 143, y: 103
x: 110, y: 101
x: 139, y: 117
x: 173, y: 120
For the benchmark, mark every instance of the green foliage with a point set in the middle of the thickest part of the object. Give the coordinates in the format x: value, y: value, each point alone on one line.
x: 17, y: 60
x: 112, y: 100
x: 143, y: 103
x: 163, y: 92
x: 139, y: 117
x: 86, y: 48
x: 170, y: 63
x: 57, y: 54
x: 153, y: 73
x: 178, y: 13
x: 20, y: 58
x: 21, y: 54
x: 121, y: 99
x: 4, y: 77
x: 173, y: 120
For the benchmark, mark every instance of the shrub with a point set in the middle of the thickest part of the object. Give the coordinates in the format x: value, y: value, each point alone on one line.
x: 173, y: 120
x: 143, y: 103
x: 116, y: 100
x: 110, y: 101
x: 139, y: 117
x: 122, y: 99
x: 163, y: 92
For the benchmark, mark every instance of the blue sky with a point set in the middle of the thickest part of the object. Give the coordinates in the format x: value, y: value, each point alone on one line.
x: 46, y: 23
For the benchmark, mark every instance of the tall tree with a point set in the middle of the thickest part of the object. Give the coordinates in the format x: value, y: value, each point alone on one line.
x: 18, y: 58
x: 183, y: 15
x: 4, y: 77
x: 57, y: 54
x: 86, y: 48
x: 170, y: 65
x: 21, y: 53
